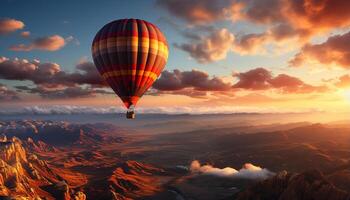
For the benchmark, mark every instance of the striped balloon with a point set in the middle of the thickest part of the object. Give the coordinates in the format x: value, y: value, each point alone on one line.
x: 130, y: 54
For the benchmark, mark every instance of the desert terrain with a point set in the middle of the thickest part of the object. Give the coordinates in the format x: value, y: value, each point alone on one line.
x: 48, y: 159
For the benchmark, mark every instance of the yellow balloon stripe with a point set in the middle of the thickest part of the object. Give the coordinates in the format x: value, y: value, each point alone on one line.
x: 132, y: 44
x: 116, y: 73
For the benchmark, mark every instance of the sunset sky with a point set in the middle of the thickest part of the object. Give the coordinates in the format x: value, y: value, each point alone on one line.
x: 224, y: 55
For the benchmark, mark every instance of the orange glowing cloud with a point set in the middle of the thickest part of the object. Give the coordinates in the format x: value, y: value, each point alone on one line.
x: 10, y: 25
x: 49, y: 43
x: 212, y: 48
x: 334, y: 51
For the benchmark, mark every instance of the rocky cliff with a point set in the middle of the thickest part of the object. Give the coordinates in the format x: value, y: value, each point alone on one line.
x: 24, y: 175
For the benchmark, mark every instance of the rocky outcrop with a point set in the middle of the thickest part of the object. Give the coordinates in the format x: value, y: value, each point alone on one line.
x: 309, y: 185
x: 24, y: 176
x: 39, y: 146
x: 133, y: 179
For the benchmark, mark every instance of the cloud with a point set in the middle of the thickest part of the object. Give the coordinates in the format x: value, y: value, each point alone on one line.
x: 259, y: 11
x: 87, y: 74
x: 306, y: 17
x: 25, y: 34
x: 200, y: 11
x: 291, y: 24
x: 10, y: 25
x: 318, y: 15
x: 64, y: 93
x: 7, y: 94
x: 171, y: 110
x: 195, y: 79
x: 251, y: 43
x: 277, y: 39
x: 344, y: 81
x: 49, y: 74
x: 336, y: 51
x: 199, y: 84
x: 262, y: 79
x: 248, y: 171
x: 212, y: 48
x: 185, y: 92
x: 72, y: 39
x: 50, y: 81
x: 48, y: 43
x: 255, y: 79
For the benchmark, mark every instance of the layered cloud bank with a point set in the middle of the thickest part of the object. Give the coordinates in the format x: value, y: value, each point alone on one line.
x: 248, y: 171
x: 51, y: 82
x: 171, y: 110
x: 287, y: 25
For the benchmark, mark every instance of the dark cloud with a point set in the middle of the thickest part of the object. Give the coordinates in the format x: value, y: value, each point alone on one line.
x: 49, y: 74
x: 198, y: 11
x: 48, y: 43
x: 336, y: 50
x: 10, y: 25
x: 260, y: 11
x: 7, y: 94
x: 262, y: 79
x: 256, y: 79
x: 193, y: 83
x: 198, y: 83
x: 87, y: 74
x: 208, y: 49
x: 63, y: 93
x: 289, y: 84
x: 198, y: 80
x: 51, y: 82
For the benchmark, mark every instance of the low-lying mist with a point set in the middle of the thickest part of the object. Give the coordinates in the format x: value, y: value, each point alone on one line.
x: 248, y: 171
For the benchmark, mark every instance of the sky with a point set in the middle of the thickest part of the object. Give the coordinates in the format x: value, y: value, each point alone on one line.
x: 225, y: 55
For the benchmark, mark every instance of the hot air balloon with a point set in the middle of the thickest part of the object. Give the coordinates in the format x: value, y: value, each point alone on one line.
x: 130, y: 54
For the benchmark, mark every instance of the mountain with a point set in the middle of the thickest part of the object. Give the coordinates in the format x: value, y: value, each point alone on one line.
x: 24, y: 175
x: 59, y: 133
x: 309, y: 185
x: 129, y: 180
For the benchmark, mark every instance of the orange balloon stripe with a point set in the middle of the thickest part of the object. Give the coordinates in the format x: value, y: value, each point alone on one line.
x: 117, y: 73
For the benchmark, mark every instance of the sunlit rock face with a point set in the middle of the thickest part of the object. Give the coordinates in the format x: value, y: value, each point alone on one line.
x: 23, y: 174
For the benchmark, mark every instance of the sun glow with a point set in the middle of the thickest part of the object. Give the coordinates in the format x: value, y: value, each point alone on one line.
x: 346, y: 94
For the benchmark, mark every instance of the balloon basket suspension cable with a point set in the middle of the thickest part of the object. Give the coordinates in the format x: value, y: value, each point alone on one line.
x: 130, y: 113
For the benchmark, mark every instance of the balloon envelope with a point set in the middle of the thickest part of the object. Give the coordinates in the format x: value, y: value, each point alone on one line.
x: 130, y: 54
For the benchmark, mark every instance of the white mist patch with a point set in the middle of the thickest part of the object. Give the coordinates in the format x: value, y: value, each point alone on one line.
x: 248, y: 171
